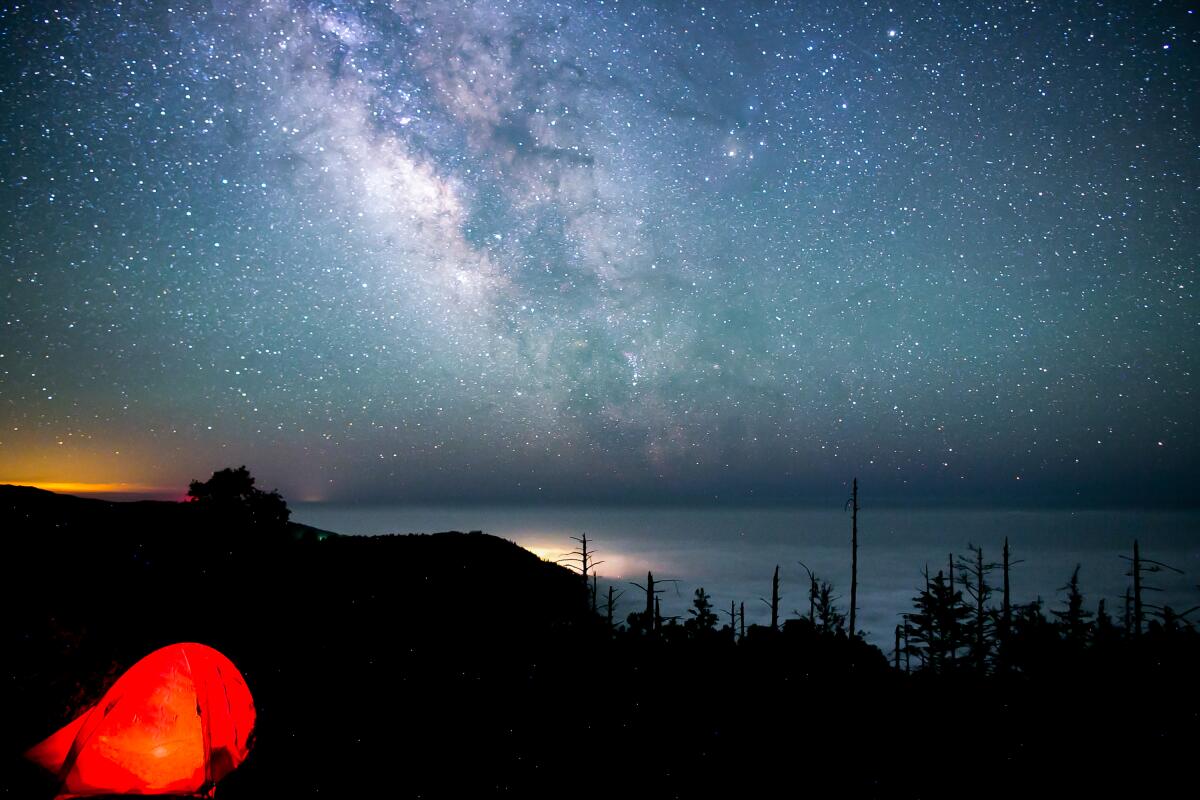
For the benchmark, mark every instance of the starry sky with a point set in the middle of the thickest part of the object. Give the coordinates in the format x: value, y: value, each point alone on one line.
x: 603, y: 251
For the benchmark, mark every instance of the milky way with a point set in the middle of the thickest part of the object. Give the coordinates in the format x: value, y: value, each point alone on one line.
x: 603, y: 250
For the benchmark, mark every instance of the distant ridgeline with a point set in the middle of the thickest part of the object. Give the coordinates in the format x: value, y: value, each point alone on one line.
x: 460, y: 665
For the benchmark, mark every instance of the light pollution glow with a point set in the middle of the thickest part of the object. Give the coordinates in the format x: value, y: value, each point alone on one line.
x: 76, y: 487
x: 611, y: 566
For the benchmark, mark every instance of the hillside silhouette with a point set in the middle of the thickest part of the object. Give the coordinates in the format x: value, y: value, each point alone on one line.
x: 460, y: 665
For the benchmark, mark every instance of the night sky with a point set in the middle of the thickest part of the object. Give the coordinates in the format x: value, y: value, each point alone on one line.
x: 603, y: 251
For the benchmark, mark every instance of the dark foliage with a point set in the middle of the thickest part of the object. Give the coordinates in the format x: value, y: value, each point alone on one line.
x: 828, y: 618
x: 702, y: 620
x: 1073, y: 621
x: 230, y: 497
x: 938, y: 627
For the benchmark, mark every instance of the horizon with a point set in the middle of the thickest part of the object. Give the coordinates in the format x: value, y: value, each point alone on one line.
x: 887, y: 503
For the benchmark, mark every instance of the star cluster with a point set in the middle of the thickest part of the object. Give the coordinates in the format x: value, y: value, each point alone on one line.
x: 602, y: 250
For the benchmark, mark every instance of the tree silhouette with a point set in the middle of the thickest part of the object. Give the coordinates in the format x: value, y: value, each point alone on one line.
x: 1004, y: 626
x: 1138, y: 566
x: 773, y: 603
x: 852, y: 504
x: 829, y: 619
x: 584, y: 562
x: 1033, y: 644
x: 733, y: 618
x: 650, y: 620
x: 814, y: 589
x: 610, y: 606
x: 937, y: 624
x: 1073, y: 620
x: 975, y: 582
x: 702, y: 619
x: 231, y: 496
x: 1105, y: 632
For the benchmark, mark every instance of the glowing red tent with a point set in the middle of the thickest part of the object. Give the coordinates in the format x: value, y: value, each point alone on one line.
x: 176, y: 722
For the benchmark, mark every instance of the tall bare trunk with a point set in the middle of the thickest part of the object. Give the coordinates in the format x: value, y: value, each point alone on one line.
x: 1006, y: 607
x: 775, y: 600
x: 853, y: 556
x: 1137, y: 590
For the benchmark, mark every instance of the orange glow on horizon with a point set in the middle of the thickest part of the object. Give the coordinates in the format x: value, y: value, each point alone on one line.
x: 92, y: 469
x: 78, y: 487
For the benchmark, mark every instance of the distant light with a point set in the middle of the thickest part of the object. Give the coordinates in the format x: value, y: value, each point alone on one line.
x: 891, y: 34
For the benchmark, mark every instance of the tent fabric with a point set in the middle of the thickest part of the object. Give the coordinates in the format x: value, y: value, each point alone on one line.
x: 176, y: 722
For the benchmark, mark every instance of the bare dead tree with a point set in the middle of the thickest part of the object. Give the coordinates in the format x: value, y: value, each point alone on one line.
x: 1006, y: 608
x: 1137, y: 590
x: 1173, y: 620
x: 813, y: 590
x: 852, y: 504
x: 1006, y: 603
x: 907, y: 652
x: 1138, y: 566
x: 653, y: 617
x: 584, y: 562
x: 732, y: 612
x: 773, y: 603
x: 611, y: 605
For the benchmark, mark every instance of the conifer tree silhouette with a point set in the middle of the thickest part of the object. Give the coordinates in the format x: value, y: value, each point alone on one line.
x: 703, y: 621
x: 1105, y: 632
x: 974, y: 579
x: 829, y: 619
x: 938, y: 623
x: 1073, y: 620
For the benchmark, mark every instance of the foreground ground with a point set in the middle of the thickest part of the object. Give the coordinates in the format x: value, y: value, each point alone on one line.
x: 459, y: 665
